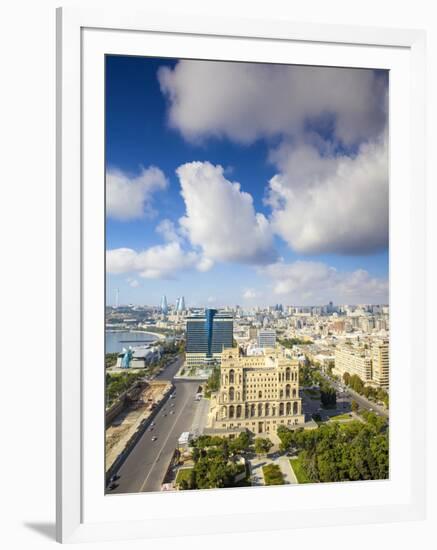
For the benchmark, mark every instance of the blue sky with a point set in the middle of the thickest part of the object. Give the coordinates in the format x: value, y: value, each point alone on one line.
x: 312, y: 172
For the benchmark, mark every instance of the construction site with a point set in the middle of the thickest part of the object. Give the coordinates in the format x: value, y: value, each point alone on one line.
x: 128, y: 418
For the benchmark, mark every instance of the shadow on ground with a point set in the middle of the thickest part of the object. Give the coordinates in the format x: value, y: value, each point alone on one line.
x: 47, y: 530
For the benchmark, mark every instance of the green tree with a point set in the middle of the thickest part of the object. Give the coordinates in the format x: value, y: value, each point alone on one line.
x: 184, y: 485
x: 240, y: 444
x: 262, y: 445
x: 346, y: 378
x: 225, y: 450
x: 291, y: 342
x: 195, y: 454
x: 354, y: 406
x: 328, y: 396
x: 339, y: 452
x: 213, y: 383
x: 286, y: 436
x: 356, y: 383
x: 110, y: 359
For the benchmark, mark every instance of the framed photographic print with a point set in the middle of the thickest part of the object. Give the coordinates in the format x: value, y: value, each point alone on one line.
x: 240, y: 275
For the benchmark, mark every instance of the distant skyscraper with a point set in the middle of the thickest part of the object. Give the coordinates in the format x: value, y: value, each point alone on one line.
x: 180, y: 304
x: 117, y: 295
x: 266, y: 338
x: 164, y: 305
x: 207, y: 336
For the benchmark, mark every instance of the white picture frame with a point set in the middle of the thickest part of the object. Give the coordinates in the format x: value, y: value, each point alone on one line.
x: 83, y: 513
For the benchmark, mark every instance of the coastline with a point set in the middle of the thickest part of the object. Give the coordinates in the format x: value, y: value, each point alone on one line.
x: 157, y: 335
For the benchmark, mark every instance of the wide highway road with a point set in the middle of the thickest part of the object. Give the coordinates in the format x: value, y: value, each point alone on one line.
x: 145, y: 467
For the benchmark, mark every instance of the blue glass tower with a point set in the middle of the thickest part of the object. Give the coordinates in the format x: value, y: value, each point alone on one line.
x: 209, y: 334
x: 209, y: 323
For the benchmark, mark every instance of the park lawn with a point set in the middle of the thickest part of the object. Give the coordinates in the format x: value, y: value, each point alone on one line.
x: 183, y: 473
x: 273, y: 475
x: 299, y: 471
x: 344, y: 416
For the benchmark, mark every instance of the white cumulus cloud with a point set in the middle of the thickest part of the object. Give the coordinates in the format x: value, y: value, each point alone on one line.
x: 161, y: 261
x: 220, y: 218
x: 169, y: 231
x: 325, y: 203
x: 330, y: 194
x: 316, y: 283
x: 129, y: 198
x: 247, y: 101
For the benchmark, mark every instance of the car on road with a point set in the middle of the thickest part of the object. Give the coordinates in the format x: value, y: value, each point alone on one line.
x: 154, y: 438
x: 171, y: 412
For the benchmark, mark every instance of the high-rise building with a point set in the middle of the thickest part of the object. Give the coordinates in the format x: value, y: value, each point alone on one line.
x: 164, y: 305
x: 257, y: 393
x: 207, y: 336
x: 380, y: 362
x: 180, y: 304
x: 267, y: 338
x: 354, y: 361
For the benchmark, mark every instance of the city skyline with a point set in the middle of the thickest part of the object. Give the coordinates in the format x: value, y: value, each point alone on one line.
x: 267, y: 191
x: 174, y: 302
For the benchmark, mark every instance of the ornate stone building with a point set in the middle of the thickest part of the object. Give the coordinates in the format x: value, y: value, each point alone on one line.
x: 258, y: 393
